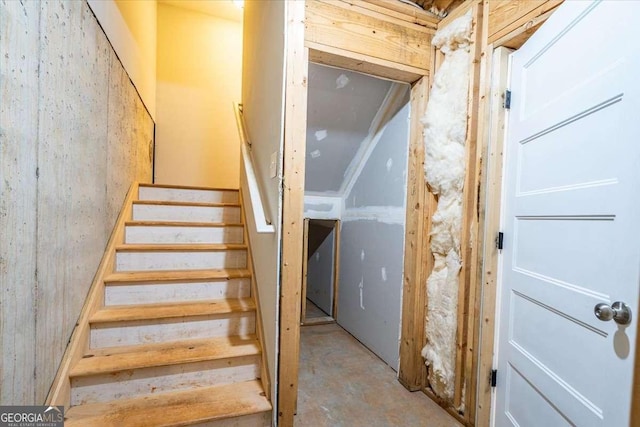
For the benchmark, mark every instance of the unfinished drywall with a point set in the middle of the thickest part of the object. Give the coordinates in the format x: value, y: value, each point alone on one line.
x: 61, y: 82
x: 341, y: 107
x: 199, y: 77
x: 445, y: 125
x: 130, y: 26
x: 262, y: 99
x: 372, y: 243
x: 320, y: 265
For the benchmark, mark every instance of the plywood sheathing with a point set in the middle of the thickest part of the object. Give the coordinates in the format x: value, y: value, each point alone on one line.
x: 56, y: 89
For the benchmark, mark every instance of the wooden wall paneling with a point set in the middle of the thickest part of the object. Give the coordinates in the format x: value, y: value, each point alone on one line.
x: 411, y: 370
x: 18, y: 199
x: 506, y: 16
x: 296, y: 58
x: 492, y: 139
x: 335, y: 24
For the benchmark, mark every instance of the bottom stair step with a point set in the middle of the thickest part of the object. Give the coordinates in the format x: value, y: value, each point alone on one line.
x: 204, y: 406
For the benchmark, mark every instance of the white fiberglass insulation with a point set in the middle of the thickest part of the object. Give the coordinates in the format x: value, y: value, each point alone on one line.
x: 445, y: 124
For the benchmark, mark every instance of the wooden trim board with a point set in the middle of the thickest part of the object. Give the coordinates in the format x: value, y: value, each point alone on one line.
x: 60, y: 392
x: 305, y: 265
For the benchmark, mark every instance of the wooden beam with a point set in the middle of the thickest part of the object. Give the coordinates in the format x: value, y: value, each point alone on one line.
x: 336, y: 267
x: 295, y: 113
x: 337, y: 24
x: 336, y: 57
x: 506, y: 16
x: 406, y: 12
x: 305, y: 264
x: 411, y: 371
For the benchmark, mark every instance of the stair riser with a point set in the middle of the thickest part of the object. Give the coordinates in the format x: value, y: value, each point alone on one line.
x: 186, y: 213
x: 175, y: 260
x: 162, y: 234
x: 128, y: 384
x: 149, y: 293
x: 134, y: 333
x: 254, y: 420
x: 185, y: 195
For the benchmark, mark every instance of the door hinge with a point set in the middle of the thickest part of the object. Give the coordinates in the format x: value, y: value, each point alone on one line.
x: 500, y: 240
x: 494, y: 377
x: 507, y: 99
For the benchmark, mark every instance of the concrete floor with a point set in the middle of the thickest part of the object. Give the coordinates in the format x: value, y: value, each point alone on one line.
x: 313, y: 311
x: 343, y: 384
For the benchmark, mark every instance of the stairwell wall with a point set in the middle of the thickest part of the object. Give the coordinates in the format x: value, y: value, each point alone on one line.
x: 74, y: 134
x: 262, y: 99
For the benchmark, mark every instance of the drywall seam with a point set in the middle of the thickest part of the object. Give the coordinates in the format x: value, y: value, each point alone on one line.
x: 383, y: 214
x: 392, y: 102
x: 322, y: 207
x: 445, y: 127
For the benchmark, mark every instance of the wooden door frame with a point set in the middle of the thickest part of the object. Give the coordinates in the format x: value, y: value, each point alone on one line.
x: 297, y: 54
x: 335, y: 276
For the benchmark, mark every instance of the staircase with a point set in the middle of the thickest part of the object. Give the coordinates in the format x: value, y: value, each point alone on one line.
x: 172, y: 339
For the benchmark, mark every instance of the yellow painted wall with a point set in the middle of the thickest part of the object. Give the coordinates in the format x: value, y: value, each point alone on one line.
x: 199, y: 72
x: 130, y: 26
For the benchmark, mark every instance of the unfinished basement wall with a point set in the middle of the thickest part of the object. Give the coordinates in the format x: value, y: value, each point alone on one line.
x: 262, y: 99
x: 198, y: 78
x: 320, y: 267
x: 74, y: 134
x: 372, y: 243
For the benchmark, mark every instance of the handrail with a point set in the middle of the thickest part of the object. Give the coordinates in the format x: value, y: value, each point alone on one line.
x: 262, y: 222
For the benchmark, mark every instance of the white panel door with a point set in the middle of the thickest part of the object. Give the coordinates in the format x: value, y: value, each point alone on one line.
x: 571, y: 218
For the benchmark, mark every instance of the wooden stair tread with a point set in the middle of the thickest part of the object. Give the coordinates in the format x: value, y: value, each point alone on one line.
x: 180, y: 408
x: 195, y: 204
x: 179, y: 247
x: 175, y: 275
x: 180, y: 224
x: 124, y: 313
x: 187, y: 187
x: 118, y: 359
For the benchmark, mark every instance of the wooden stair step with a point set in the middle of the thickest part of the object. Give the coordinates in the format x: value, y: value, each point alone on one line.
x: 128, y: 313
x: 187, y: 187
x: 180, y: 247
x: 179, y: 408
x: 175, y: 276
x: 196, y: 204
x: 181, y: 224
x: 118, y: 359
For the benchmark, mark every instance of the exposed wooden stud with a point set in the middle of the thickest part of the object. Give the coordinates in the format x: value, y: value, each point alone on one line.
x: 469, y: 235
x: 410, y: 373
x: 493, y: 140
x: 295, y: 113
x: 305, y: 264
x: 520, y: 35
x: 60, y: 393
x: 336, y: 267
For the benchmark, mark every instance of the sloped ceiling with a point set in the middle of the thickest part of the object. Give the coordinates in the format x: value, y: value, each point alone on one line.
x: 340, y: 109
